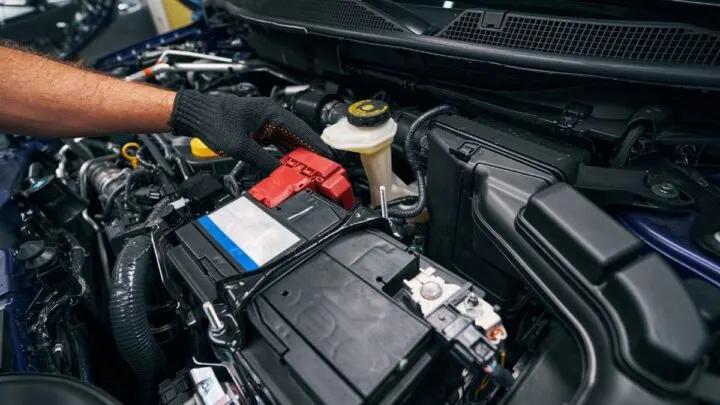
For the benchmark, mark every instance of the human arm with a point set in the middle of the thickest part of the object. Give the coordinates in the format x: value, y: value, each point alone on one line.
x: 44, y: 97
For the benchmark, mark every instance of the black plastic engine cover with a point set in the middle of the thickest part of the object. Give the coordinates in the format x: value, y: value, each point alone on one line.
x: 654, y: 323
x: 468, y: 158
x: 501, y: 212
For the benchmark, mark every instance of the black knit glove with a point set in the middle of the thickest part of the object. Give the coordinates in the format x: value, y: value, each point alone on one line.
x: 238, y: 126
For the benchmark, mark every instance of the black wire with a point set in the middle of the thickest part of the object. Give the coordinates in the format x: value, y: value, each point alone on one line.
x: 403, y: 200
x: 463, y: 391
x: 249, y: 390
x: 140, y: 155
x: 414, y: 162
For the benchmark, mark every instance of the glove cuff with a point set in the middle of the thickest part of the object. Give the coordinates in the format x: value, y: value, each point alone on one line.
x: 191, y: 114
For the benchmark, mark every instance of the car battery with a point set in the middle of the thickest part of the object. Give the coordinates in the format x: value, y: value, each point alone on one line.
x: 243, y: 235
x: 360, y: 320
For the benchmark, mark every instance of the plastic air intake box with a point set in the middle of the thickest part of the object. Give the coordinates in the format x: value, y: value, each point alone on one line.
x: 472, y: 162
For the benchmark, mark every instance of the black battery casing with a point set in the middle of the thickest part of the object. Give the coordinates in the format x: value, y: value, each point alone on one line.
x: 202, y: 261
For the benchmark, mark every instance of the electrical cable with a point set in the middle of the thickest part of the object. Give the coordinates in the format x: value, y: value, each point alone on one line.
x: 160, y: 159
x: 414, y: 162
x: 140, y: 155
x: 78, y: 344
x: 248, y: 389
x: 486, y: 380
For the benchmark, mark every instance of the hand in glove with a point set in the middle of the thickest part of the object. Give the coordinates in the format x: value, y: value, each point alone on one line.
x: 238, y: 126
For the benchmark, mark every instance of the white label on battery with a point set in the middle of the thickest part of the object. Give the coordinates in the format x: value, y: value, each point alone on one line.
x: 247, y: 233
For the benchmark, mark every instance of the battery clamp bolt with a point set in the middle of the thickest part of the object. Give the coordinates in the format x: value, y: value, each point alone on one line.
x: 216, y: 324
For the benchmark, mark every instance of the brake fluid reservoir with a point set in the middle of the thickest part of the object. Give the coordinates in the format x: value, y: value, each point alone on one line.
x: 369, y: 130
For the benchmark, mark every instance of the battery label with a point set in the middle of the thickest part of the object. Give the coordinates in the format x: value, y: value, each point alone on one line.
x: 247, y: 233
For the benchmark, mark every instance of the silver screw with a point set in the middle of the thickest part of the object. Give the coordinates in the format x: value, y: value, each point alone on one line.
x: 216, y: 324
x: 383, y: 202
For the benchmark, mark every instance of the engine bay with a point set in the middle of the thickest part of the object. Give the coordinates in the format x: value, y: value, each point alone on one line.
x: 455, y: 248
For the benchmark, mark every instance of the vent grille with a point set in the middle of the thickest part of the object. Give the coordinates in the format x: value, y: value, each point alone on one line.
x: 649, y: 43
x: 349, y: 14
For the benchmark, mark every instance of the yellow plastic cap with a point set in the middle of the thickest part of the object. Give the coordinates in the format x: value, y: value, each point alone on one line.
x: 199, y: 149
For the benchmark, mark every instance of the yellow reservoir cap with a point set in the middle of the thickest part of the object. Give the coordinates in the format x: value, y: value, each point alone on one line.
x: 199, y: 149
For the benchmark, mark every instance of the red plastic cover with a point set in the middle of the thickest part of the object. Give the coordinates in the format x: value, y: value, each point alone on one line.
x: 300, y: 170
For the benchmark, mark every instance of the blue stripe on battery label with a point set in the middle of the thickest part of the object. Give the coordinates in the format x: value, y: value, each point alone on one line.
x: 233, y: 249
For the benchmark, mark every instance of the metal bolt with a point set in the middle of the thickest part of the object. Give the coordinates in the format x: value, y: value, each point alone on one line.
x: 665, y: 190
x: 472, y: 300
x: 216, y: 324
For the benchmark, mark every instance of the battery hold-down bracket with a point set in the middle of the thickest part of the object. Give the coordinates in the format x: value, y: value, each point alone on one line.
x: 301, y: 170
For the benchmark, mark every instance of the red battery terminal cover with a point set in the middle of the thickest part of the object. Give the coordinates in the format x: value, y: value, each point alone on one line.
x: 300, y: 170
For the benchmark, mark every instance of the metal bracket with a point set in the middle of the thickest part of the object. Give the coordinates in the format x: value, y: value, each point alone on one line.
x: 608, y: 187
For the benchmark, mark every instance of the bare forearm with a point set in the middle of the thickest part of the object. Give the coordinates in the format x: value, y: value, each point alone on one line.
x: 39, y: 96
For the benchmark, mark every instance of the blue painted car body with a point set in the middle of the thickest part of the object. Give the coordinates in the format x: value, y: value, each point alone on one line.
x: 670, y: 236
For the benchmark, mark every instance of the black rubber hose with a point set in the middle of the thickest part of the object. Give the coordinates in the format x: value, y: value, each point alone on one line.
x: 414, y: 162
x: 107, y: 212
x: 43, y: 344
x: 40, y: 327
x: 79, y: 149
x: 134, y: 175
x: 128, y: 317
x: 624, y: 150
x: 77, y: 262
x: 79, y: 346
x: 77, y: 255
